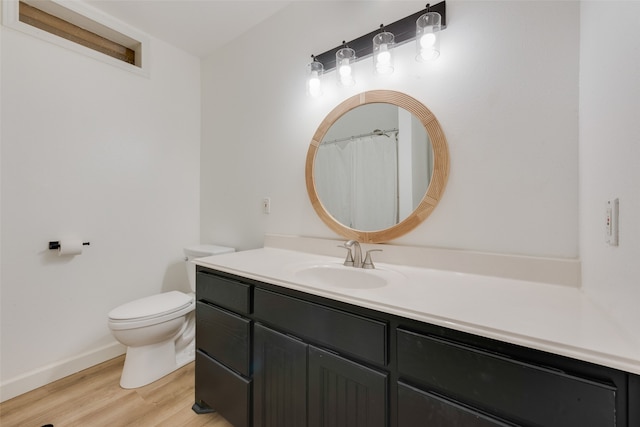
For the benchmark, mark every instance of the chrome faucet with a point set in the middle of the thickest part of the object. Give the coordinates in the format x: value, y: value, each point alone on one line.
x: 354, y: 259
x: 357, y: 255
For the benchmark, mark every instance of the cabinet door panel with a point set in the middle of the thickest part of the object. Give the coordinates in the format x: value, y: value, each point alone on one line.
x: 343, y: 393
x: 223, y: 390
x: 417, y: 407
x: 224, y: 336
x: 280, y: 379
x: 524, y: 393
x: 347, y: 333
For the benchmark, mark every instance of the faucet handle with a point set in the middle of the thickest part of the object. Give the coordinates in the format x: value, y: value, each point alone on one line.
x: 368, y: 263
x: 349, y: 259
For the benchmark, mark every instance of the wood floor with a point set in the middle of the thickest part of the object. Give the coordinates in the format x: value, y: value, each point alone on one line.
x: 94, y: 398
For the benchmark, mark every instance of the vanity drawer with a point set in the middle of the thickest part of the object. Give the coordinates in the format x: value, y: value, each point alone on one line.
x: 346, y: 333
x: 226, y: 293
x: 514, y: 390
x: 223, y: 390
x: 224, y: 336
x: 432, y: 410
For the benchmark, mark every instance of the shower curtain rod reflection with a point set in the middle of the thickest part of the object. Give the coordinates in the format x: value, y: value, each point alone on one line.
x: 364, y: 135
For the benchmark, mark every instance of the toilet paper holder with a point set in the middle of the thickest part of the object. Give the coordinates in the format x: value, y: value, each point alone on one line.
x: 56, y: 245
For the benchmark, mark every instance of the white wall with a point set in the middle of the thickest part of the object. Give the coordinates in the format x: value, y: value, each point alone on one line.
x: 610, y: 153
x: 92, y: 151
x: 505, y: 91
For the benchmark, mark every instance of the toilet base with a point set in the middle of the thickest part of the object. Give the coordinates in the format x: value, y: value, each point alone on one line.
x: 146, y: 364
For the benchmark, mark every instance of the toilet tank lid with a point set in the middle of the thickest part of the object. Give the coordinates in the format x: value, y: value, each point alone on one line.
x: 151, y: 306
x: 206, y: 250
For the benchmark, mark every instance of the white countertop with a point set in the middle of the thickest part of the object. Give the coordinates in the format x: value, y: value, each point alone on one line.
x: 557, y: 319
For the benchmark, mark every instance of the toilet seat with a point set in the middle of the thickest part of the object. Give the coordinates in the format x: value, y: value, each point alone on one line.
x: 151, y: 310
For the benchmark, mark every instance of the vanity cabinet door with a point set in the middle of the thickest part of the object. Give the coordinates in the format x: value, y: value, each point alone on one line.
x: 343, y: 393
x: 279, y: 378
x: 417, y: 407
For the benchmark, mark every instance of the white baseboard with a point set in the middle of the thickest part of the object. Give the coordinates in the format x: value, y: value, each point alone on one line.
x: 50, y: 373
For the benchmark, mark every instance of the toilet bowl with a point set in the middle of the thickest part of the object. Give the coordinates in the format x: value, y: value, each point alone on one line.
x: 159, y: 330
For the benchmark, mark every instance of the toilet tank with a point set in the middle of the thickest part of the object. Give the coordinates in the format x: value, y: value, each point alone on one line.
x: 200, y: 251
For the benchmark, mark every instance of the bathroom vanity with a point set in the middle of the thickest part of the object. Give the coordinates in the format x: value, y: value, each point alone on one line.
x: 280, y: 350
x: 288, y: 336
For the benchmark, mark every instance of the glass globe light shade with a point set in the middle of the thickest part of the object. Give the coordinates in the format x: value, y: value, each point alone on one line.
x: 383, y: 53
x: 427, y: 41
x: 345, y: 58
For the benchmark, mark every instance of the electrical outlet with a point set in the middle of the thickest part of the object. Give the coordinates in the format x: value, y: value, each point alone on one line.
x: 611, y: 225
x: 266, y: 205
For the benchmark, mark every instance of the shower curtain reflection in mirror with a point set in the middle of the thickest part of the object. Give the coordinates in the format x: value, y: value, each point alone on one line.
x: 357, y: 180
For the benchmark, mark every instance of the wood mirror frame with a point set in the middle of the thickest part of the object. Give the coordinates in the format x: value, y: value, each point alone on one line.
x: 438, y: 178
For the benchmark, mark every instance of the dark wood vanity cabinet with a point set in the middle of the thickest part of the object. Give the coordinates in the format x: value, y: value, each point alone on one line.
x: 267, y: 359
x: 268, y: 356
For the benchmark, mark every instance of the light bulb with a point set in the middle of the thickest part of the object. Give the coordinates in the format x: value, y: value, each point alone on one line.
x: 427, y: 40
x: 345, y: 76
x: 345, y: 70
x: 314, y: 84
x: 345, y: 57
x: 383, y: 66
x: 315, y: 89
x: 384, y: 58
x: 429, y: 54
x: 383, y: 61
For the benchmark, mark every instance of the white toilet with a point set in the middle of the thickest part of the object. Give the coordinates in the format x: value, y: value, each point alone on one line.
x: 159, y: 331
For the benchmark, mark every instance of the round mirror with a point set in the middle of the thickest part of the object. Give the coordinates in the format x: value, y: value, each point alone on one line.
x: 377, y: 166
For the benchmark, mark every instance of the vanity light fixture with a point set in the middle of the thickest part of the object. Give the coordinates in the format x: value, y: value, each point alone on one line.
x: 422, y: 26
x: 314, y: 72
x: 427, y: 37
x: 345, y: 58
x: 383, y: 52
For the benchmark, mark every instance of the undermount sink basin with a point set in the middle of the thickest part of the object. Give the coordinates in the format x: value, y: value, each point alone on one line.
x: 339, y: 276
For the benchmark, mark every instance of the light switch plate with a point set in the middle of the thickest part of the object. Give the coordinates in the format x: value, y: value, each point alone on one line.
x: 611, y: 235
